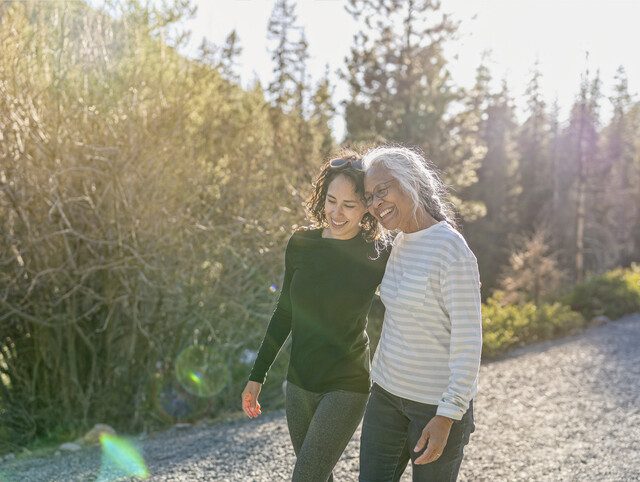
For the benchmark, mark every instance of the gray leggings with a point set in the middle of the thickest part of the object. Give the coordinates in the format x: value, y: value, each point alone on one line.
x: 320, y: 426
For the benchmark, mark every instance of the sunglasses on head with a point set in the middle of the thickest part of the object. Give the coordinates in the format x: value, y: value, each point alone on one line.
x: 341, y: 162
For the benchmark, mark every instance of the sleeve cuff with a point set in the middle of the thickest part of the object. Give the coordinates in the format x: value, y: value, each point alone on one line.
x: 256, y: 378
x: 451, y: 411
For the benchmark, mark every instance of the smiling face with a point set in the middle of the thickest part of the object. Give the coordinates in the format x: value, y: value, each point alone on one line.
x: 390, y: 205
x: 343, y: 208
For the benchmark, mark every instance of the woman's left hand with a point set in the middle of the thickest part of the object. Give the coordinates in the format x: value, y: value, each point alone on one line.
x: 436, y: 432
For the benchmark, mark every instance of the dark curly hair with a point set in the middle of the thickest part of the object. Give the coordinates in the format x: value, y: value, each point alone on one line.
x: 315, y: 202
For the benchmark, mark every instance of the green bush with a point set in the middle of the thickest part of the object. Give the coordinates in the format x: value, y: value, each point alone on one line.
x: 144, y: 208
x: 613, y: 294
x: 506, y: 325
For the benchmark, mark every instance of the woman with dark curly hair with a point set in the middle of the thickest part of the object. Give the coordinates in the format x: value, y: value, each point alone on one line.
x: 331, y: 274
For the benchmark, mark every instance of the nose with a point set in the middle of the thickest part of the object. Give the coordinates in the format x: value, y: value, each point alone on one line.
x: 334, y: 210
x: 376, y: 202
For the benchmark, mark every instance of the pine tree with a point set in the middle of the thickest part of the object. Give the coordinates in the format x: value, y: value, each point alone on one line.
x: 293, y: 141
x: 634, y: 128
x: 560, y: 219
x: 582, y: 151
x: 229, y: 58
x: 556, y: 164
x: 534, y: 168
x: 401, y: 90
x: 497, y: 184
x: 620, y: 153
x: 225, y: 58
x: 322, y: 112
x: 289, y: 54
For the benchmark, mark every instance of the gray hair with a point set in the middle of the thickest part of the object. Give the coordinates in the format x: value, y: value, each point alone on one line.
x: 417, y: 177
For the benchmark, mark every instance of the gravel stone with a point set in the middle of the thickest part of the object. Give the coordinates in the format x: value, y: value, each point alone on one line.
x: 70, y: 447
x: 564, y: 410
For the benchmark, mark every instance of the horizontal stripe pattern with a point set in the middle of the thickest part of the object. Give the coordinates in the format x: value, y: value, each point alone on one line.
x: 429, y: 349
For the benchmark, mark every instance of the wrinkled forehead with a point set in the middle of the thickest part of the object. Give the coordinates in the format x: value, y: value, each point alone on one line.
x: 375, y: 176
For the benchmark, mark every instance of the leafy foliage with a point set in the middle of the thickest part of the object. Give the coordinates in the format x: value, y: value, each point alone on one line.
x: 506, y: 326
x: 143, y: 209
x: 612, y: 294
x: 145, y: 198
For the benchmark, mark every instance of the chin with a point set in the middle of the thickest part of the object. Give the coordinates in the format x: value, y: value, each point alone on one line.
x: 381, y: 221
x: 389, y: 225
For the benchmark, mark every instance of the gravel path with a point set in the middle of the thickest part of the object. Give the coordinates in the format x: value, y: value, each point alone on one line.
x: 562, y: 410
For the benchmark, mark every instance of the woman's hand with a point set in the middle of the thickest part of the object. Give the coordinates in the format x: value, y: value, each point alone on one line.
x: 436, y: 433
x: 250, y: 403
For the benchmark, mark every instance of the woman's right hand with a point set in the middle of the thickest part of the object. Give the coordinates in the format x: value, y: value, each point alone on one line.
x: 250, y: 403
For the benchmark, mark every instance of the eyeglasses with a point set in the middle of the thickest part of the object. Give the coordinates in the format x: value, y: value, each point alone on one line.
x: 381, y: 192
x: 341, y: 162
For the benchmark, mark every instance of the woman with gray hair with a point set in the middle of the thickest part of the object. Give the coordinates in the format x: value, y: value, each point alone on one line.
x: 425, y: 368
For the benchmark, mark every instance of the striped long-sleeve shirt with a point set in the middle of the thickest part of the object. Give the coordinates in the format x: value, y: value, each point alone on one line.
x: 431, y: 340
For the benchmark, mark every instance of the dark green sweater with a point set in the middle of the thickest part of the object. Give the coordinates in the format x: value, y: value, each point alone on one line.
x: 326, y: 295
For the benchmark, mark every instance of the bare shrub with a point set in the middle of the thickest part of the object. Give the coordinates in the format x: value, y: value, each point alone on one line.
x: 533, y: 273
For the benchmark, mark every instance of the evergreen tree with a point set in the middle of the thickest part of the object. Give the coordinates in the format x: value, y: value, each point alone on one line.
x: 229, y: 58
x: 289, y: 54
x: 620, y: 155
x: 561, y: 217
x: 497, y: 185
x: 634, y: 128
x: 534, y: 168
x: 304, y: 138
x: 322, y: 113
x: 582, y: 151
x: 293, y: 141
x: 556, y: 164
x: 401, y: 90
x: 225, y: 58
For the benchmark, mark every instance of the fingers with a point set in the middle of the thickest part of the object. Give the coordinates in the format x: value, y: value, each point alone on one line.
x: 437, y: 433
x: 255, y: 409
x: 422, y: 441
x: 250, y: 410
x: 250, y: 405
x: 246, y: 406
x: 433, y: 452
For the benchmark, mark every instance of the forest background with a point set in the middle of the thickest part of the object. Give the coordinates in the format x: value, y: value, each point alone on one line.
x: 146, y: 198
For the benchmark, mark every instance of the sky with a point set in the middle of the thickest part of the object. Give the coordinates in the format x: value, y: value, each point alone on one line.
x: 518, y: 33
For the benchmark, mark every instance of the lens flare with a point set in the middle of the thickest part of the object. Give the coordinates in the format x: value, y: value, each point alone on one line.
x: 273, y: 288
x: 174, y: 404
x: 196, y: 378
x: 120, y: 458
x: 202, y: 371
